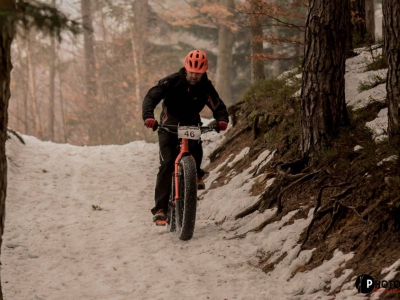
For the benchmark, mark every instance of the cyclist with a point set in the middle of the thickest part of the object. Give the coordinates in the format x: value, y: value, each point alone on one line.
x: 185, y: 94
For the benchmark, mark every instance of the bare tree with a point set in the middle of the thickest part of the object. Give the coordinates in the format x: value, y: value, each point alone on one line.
x: 323, y: 107
x: 391, y: 12
x: 32, y: 87
x: 224, y: 64
x: 52, y: 83
x: 23, y: 116
x: 141, y: 13
x: 370, y: 20
x: 257, y: 65
x: 90, y: 67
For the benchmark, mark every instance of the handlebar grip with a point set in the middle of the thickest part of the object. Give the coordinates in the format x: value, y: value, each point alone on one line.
x: 155, y: 126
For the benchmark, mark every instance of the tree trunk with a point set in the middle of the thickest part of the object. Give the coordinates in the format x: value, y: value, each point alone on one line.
x: 323, y: 88
x: 257, y: 65
x: 141, y: 13
x: 349, y: 37
x: 90, y: 67
x: 141, y: 29
x: 6, y: 38
x: 24, y: 114
x: 359, y: 29
x: 62, y: 106
x: 52, y: 83
x: 134, y: 44
x: 224, y: 64
x: 138, y: 40
x: 370, y: 20
x: 384, y: 31
x: 32, y: 88
x: 391, y: 12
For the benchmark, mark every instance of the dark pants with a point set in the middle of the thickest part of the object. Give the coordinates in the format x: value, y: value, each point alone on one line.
x: 169, y: 150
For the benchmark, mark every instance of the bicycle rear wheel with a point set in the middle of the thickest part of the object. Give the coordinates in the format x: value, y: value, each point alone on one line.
x: 185, y: 208
x: 171, y: 223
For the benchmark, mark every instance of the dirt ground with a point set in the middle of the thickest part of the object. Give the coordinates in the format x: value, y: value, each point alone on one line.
x: 359, y: 201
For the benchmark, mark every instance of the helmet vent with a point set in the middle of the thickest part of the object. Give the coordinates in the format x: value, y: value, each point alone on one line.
x: 196, y: 61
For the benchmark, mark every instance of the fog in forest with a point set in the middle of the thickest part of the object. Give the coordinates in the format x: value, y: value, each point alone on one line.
x: 88, y: 89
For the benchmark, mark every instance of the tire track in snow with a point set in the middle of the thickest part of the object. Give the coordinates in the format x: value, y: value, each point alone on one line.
x: 57, y: 247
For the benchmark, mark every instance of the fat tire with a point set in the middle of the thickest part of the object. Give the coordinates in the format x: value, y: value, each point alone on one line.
x: 171, y: 222
x: 185, y: 209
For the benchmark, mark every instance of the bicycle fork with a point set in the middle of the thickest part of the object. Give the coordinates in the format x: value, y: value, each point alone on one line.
x: 177, y: 173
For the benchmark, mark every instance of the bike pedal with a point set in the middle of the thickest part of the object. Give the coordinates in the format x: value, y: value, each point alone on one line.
x: 161, y: 222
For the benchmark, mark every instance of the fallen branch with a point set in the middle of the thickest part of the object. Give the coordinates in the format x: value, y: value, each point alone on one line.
x: 249, y: 210
x: 17, y: 135
x: 316, y: 217
x: 255, y: 229
x: 336, y: 208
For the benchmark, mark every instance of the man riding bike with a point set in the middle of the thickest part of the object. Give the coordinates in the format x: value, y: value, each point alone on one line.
x: 185, y: 94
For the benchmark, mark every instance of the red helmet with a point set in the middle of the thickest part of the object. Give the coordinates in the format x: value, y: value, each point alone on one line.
x: 196, y: 62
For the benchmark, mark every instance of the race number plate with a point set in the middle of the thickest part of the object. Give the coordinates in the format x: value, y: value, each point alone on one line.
x: 188, y: 132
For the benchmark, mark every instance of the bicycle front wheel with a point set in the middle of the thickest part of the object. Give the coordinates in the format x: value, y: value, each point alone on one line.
x: 186, y: 206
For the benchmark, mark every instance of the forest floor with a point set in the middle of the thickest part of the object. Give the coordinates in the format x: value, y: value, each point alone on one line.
x: 352, y: 191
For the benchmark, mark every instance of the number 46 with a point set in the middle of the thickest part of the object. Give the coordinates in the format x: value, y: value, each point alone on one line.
x: 191, y: 133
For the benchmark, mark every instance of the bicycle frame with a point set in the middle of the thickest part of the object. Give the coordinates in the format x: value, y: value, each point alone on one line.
x: 183, y: 198
x: 184, y: 148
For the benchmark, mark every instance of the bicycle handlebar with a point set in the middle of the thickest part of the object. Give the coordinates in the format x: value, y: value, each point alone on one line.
x: 203, y: 129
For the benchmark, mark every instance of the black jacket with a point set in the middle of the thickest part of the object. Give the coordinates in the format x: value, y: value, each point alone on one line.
x: 183, y: 101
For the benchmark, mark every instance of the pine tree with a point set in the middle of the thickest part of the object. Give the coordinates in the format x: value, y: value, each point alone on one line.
x: 391, y: 12
x: 323, y: 107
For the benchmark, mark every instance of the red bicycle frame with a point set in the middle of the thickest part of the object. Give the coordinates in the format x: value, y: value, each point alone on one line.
x: 184, y: 148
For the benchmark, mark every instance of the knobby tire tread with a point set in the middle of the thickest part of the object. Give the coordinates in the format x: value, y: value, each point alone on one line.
x: 188, y: 190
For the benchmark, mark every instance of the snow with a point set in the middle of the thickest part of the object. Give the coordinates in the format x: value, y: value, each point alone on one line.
x: 391, y: 270
x: 79, y: 226
x: 56, y: 246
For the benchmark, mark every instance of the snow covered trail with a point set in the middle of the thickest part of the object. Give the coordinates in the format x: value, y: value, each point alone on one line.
x: 56, y: 246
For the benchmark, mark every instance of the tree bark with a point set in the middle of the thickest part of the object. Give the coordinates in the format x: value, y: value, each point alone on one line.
x: 24, y: 85
x: 391, y: 12
x: 52, y: 83
x: 141, y: 13
x: 323, y: 106
x: 32, y: 88
x: 359, y: 29
x: 138, y: 34
x: 370, y: 20
x: 257, y: 65
x: 90, y: 67
x: 6, y: 38
x: 349, y: 37
x: 62, y: 106
x: 224, y: 64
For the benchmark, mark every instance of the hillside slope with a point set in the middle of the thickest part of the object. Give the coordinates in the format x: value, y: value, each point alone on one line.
x: 355, y: 186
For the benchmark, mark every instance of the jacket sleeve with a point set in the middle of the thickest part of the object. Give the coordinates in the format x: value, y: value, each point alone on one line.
x: 153, y: 98
x: 216, y: 105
